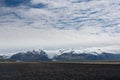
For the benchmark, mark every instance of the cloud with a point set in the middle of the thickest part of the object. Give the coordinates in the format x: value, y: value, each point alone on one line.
x: 70, y: 15
x: 54, y: 38
x: 55, y: 24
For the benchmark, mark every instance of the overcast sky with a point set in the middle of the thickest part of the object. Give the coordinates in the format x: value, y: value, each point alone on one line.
x: 59, y: 24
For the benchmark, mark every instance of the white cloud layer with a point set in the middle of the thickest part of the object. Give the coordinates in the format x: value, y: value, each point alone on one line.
x: 62, y: 24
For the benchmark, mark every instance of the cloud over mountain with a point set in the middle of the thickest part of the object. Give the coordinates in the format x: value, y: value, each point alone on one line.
x: 54, y: 24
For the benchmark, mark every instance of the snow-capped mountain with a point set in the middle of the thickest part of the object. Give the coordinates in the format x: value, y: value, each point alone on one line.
x: 33, y: 56
x: 3, y: 57
x: 64, y: 55
x: 81, y: 51
x: 87, y: 55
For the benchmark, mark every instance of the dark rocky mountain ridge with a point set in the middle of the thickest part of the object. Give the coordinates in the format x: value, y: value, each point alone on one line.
x: 36, y: 56
x: 31, y: 56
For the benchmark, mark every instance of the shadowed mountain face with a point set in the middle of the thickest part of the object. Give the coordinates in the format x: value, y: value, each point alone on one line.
x: 36, y: 56
x: 33, y: 56
x: 86, y: 56
x: 1, y: 57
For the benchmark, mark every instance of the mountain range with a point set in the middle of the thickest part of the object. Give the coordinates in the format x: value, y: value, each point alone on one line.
x: 37, y: 56
x: 31, y: 56
x: 71, y: 56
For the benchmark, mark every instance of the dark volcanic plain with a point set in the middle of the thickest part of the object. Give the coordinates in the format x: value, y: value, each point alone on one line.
x: 60, y: 71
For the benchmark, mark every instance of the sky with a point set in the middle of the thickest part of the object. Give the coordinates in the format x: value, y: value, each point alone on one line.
x: 59, y: 24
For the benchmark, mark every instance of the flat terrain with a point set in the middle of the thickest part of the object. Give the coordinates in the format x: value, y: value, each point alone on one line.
x: 60, y: 71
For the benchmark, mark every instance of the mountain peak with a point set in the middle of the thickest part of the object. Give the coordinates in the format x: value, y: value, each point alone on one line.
x: 72, y: 51
x: 31, y: 56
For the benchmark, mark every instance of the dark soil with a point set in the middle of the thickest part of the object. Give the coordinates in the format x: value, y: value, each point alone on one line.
x: 59, y: 71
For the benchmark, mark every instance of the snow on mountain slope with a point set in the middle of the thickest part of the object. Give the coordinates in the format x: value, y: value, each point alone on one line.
x: 31, y: 56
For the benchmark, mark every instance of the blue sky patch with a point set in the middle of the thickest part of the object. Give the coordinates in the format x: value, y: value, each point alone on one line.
x: 15, y: 3
x: 40, y: 5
